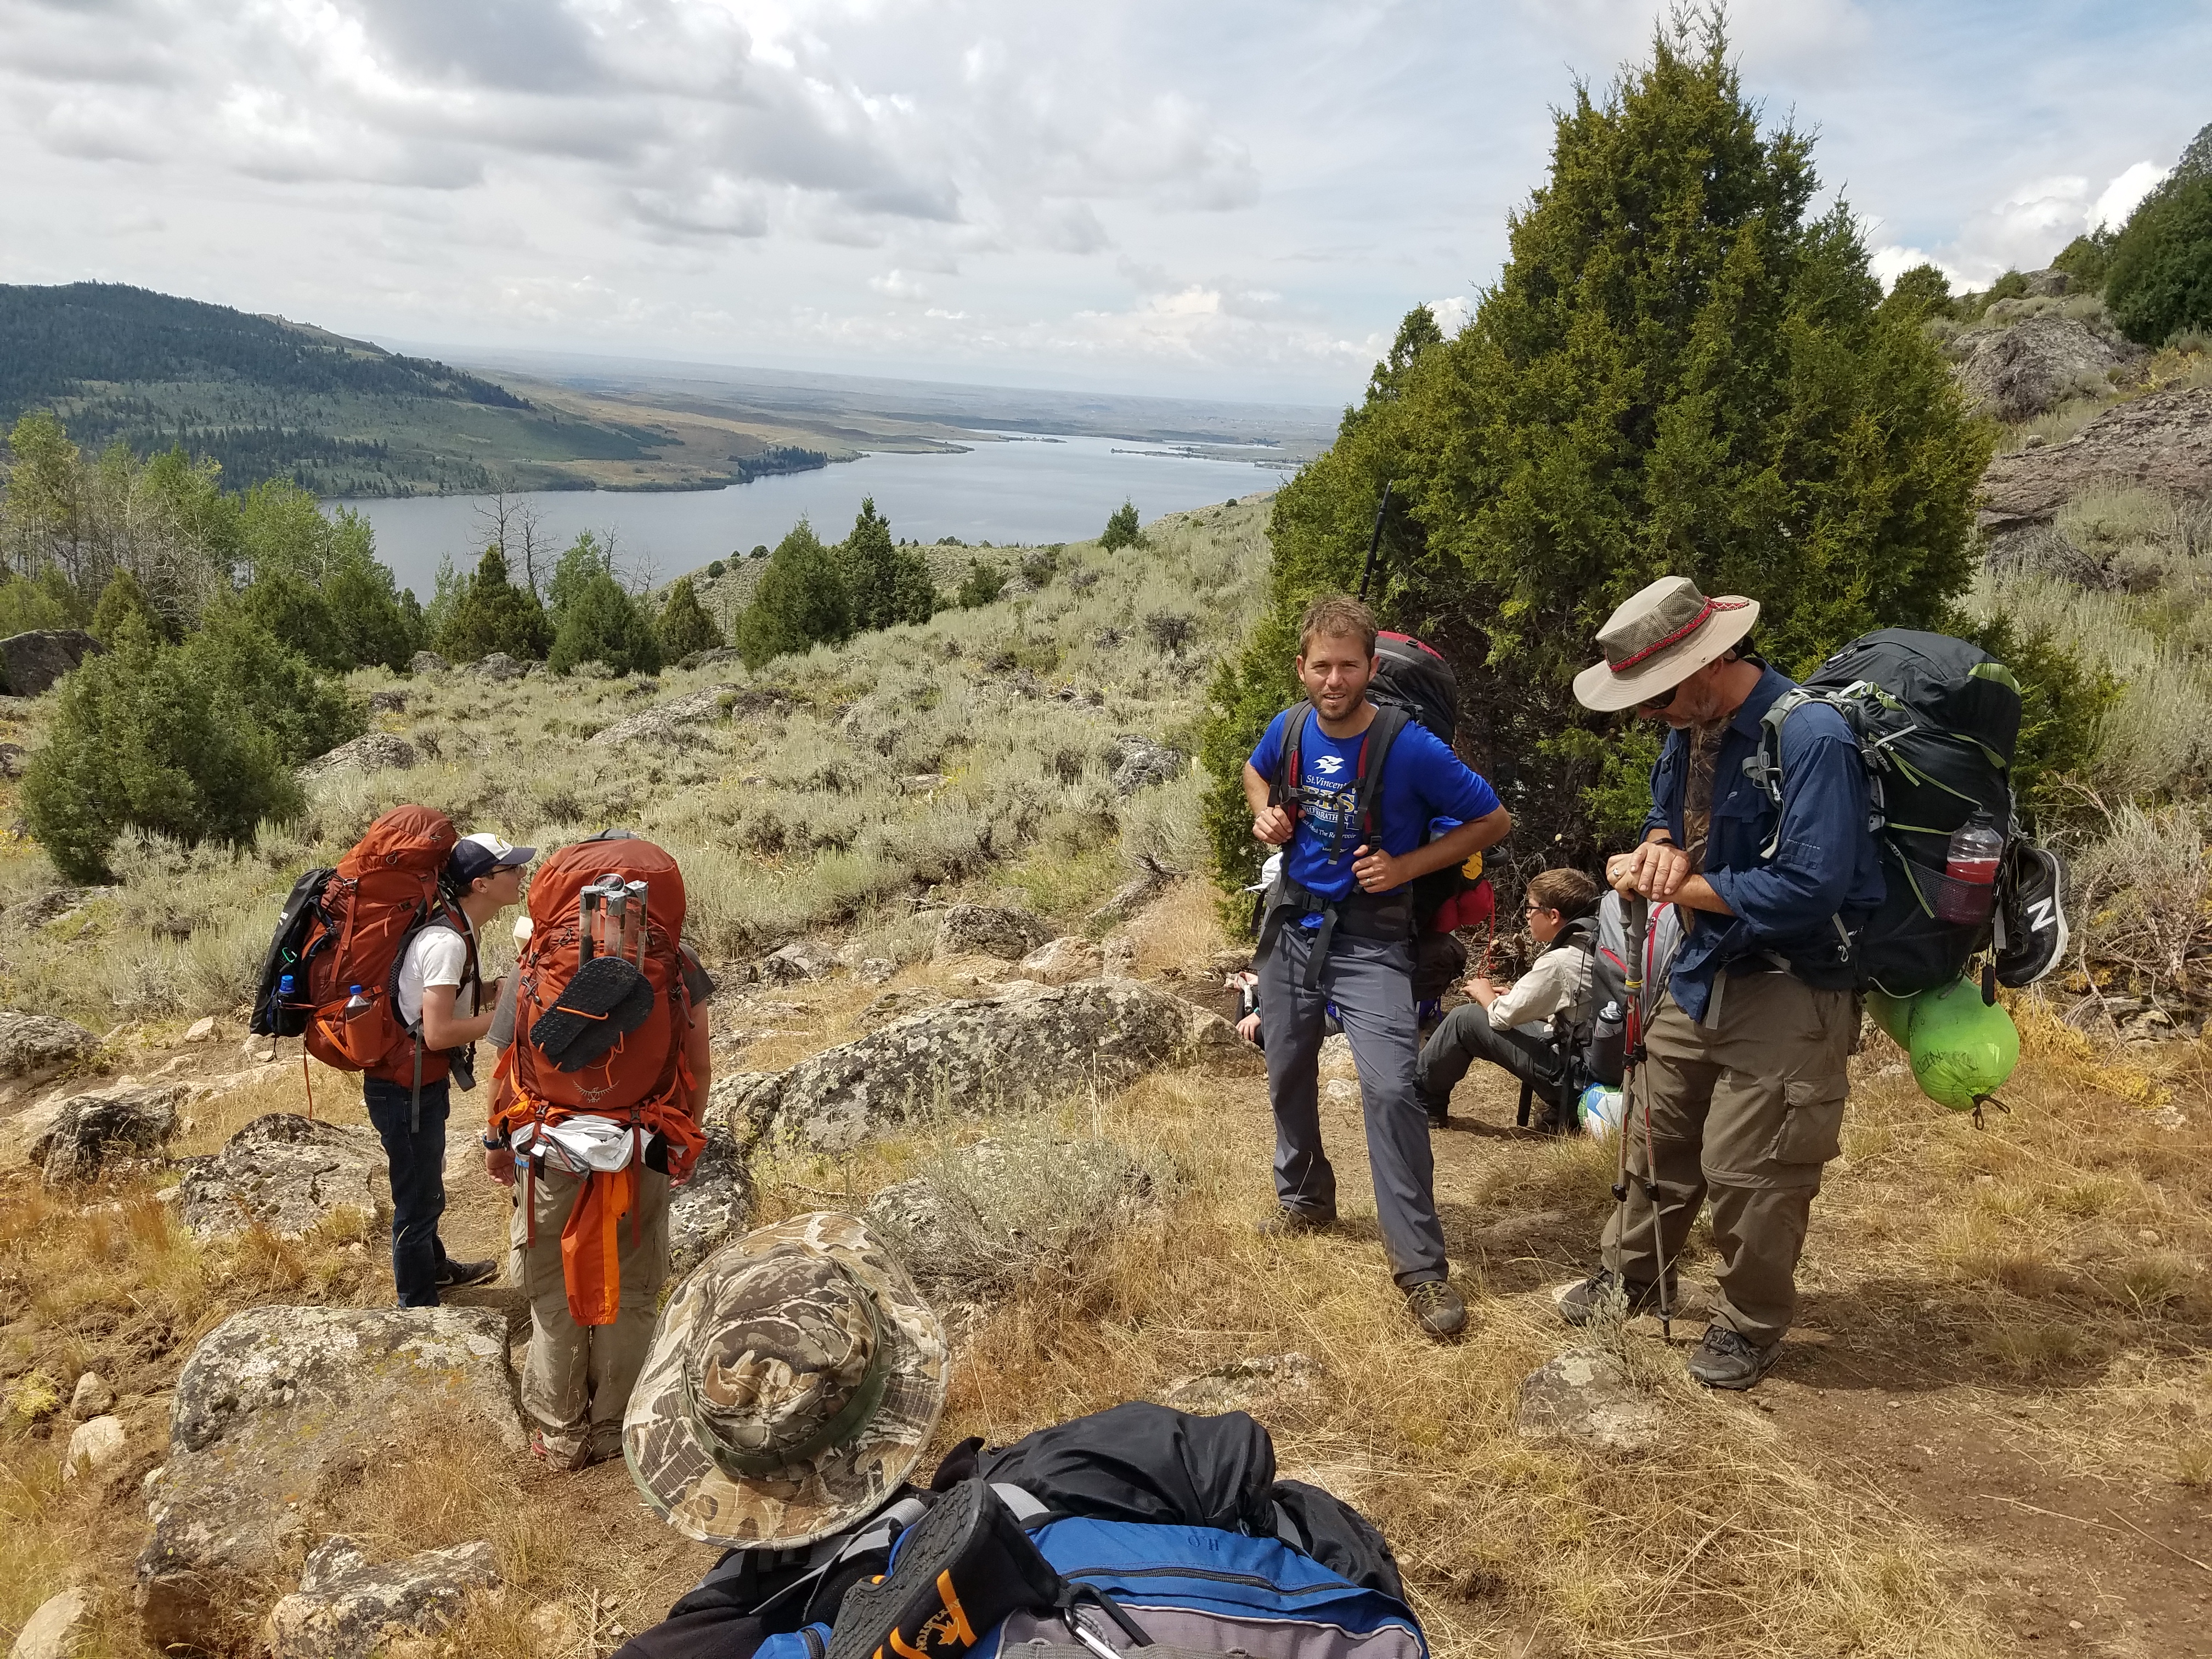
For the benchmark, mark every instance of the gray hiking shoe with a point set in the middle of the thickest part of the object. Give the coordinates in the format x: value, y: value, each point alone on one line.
x: 466, y: 1272
x: 1594, y: 1294
x: 1437, y: 1308
x: 1727, y: 1360
x: 1287, y: 1223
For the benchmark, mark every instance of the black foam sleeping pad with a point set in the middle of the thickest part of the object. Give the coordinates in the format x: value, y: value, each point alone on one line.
x: 606, y: 1000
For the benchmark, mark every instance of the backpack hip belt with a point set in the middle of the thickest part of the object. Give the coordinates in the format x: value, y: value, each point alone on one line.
x: 1362, y: 915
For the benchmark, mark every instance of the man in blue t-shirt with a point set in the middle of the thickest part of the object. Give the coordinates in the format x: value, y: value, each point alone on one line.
x: 1338, y: 928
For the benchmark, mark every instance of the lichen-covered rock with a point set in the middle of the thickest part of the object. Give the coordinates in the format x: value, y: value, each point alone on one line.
x: 714, y: 1207
x: 427, y: 662
x: 1142, y: 761
x: 497, y: 667
x: 988, y: 930
x: 2035, y: 364
x: 388, y: 701
x: 1062, y: 961
x: 1586, y: 1397
x: 2161, y: 441
x: 92, y: 1128
x: 665, y: 722
x: 373, y: 751
x: 1241, y: 1384
x: 34, y: 1047
x: 345, y: 1608
x: 1151, y: 880
x: 31, y: 663
x: 801, y: 959
x: 286, y: 1173
x: 274, y: 1402
x: 1015, y: 1052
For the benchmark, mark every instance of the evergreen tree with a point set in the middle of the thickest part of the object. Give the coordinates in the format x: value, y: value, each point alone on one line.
x: 154, y: 737
x: 1919, y: 292
x: 1679, y: 372
x: 489, y: 613
x: 271, y: 685
x: 885, y: 583
x: 280, y: 602
x: 123, y: 596
x: 685, y: 627
x: 1122, y: 529
x: 601, y: 622
x: 800, y: 604
x: 373, y: 621
x: 2159, y: 280
x: 982, y: 585
x: 579, y: 561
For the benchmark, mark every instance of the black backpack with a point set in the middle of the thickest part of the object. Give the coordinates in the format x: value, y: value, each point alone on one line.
x: 274, y: 1015
x: 1936, y: 720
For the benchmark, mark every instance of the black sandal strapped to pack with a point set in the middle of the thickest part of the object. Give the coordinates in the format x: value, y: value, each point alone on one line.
x: 606, y: 1001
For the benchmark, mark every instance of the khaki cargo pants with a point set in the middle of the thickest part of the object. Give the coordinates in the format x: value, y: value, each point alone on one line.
x: 577, y: 1378
x: 1745, y: 1111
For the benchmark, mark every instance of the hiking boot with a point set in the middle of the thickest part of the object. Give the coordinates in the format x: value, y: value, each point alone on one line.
x: 1439, y: 1111
x: 1594, y: 1294
x: 1287, y: 1223
x: 1726, y: 1359
x: 1436, y: 1308
x: 466, y: 1272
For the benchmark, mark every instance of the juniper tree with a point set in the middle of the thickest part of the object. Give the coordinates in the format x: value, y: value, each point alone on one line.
x: 884, y: 584
x: 1122, y: 529
x: 489, y: 613
x: 801, y: 602
x: 1681, y: 370
x: 685, y: 627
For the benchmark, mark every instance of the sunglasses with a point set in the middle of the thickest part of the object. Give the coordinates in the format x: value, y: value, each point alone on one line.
x: 1661, y: 700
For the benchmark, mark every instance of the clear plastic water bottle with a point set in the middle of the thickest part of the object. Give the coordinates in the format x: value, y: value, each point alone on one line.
x: 1971, y: 863
x: 356, y: 1002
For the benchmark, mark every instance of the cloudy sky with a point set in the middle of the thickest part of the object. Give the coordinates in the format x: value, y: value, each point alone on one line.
x: 1200, y: 197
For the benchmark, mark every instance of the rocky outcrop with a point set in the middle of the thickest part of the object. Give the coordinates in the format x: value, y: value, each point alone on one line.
x: 1151, y: 880
x: 988, y: 930
x: 274, y: 1402
x: 665, y: 722
x: 35, y: 1046
x: 345, y: 1608
x: 286, y: 1173
x: 1242, y: 1384
x: 1142, y: 762
x: 14, y: 759
x: 801, y: 959
x: 714, y: 1207
x: 1062, y: 961
x: 498, y: 667
x: 2021, y: 371
x: 1015, y: 1052
x: 427, y: 662
x: 31, y: 663
x: 2161, y: 441
x: 374, y: 752
x: 90, y: 1129
x: 1586, y: 1397
x: 389, y: 702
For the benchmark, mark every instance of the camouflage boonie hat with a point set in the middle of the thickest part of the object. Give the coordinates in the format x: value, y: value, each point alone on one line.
x: 794, y: 1378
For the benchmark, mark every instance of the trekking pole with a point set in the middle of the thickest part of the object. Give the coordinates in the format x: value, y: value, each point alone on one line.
x: 1638, y: 917
x: 1375, y: 542
x: 307, y: 1082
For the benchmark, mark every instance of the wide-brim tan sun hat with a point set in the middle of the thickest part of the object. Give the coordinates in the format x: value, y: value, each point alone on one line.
x: 1657, y: 638
x: 794, y: 1377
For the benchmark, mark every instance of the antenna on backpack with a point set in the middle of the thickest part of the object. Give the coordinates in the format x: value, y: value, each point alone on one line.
x: 1375, y: 542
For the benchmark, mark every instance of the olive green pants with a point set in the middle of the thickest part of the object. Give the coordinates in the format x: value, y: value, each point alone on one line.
x: 1744, y: 1112
x: 576, y: 1379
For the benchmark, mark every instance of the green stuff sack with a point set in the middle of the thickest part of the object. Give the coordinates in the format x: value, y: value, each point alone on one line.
x: 1963, y: 1048
x: 1893, y: 1015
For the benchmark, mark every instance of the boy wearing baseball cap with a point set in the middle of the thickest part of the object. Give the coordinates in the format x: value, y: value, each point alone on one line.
x: 440, y: 1000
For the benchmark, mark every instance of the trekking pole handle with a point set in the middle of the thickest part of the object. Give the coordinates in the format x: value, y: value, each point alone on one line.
x: 1374, y: 541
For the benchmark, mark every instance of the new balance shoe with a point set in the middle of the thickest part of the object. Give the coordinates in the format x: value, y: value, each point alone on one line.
x: 2031, y: 915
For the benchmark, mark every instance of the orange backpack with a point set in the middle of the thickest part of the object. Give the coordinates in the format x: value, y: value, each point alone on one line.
x: 383, y: 890
x: 643, y: 1080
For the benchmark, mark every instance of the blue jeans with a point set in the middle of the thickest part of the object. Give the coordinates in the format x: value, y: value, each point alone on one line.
x: 418, y: 1183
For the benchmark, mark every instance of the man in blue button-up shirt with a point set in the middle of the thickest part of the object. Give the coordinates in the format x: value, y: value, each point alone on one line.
x: 1743, y: 1076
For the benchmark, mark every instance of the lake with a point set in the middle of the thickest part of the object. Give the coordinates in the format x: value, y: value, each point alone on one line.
x: 1027, y: 489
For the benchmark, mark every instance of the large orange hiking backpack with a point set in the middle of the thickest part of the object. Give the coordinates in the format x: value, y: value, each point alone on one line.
x: 638, y: 1078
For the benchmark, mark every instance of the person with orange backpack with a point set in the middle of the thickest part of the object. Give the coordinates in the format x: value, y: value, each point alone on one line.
x: 595, y: 1112
x: 373, y: 967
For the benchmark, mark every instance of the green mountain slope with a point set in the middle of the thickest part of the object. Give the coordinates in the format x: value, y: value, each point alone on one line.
x: 270, y: 398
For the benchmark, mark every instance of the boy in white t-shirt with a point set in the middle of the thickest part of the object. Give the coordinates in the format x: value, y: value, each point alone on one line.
x: 440, y: 999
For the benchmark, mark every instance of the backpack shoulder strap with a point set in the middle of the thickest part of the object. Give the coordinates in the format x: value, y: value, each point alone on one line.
x: 1374, y: 754
x: 1283, y: 787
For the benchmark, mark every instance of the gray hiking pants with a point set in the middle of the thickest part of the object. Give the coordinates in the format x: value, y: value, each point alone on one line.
x: 1371, y: 982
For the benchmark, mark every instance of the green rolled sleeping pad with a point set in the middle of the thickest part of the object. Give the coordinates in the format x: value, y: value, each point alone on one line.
x: 1962, y: 1048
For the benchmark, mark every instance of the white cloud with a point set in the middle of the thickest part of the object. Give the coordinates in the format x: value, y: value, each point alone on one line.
x: 2121, y: 196
x: 1452, y: 314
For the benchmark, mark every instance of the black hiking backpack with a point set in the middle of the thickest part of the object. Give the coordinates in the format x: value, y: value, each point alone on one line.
x: 276, y: 1014
x: 1936, y: 720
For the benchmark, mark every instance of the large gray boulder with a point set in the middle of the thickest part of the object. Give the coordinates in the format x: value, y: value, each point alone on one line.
x: 427, y: 662
x: 373, y: 751
x: 345, y: 1608
x: 35, y: 1046
x: 2161, y: 441
x: 988, y: 930
x: 90, y: 1129
x: 665, y: 722
x: 1025, y: 1048
x: 498, y: 667
x: 274, y: 1403
x: 2033, y: 365
x: 715, y: 1207
x: 31, y: 663
x: 286, y: 1173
